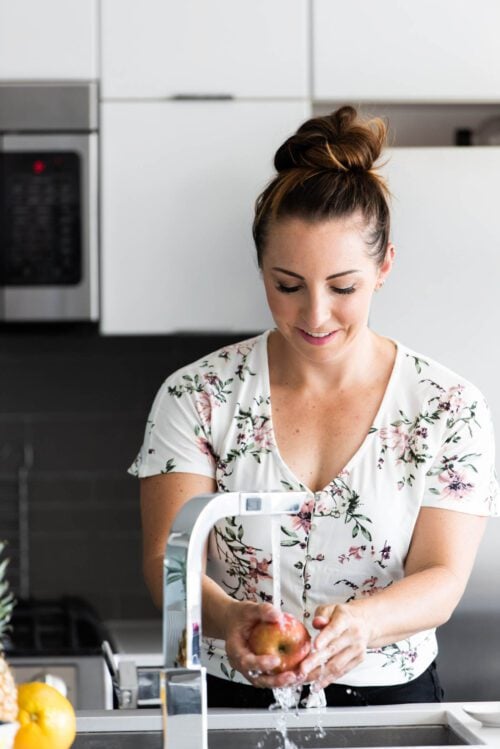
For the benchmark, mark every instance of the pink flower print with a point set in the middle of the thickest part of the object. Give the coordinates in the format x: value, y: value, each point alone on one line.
x: 205, y: 447
x: 258, y: 569
x: 395, y: 438
x: 452, y: 401
x: 355, y: 552
x: 456, y: 485
x: 302, y: 521
x: 204, y: 407
x: 263, y: 436
x: 251, y: 592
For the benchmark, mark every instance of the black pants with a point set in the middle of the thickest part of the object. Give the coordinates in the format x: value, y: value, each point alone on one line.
x: 425, y: 688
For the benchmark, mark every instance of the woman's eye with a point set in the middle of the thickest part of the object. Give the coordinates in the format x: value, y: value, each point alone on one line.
x: 287, y: 289
x: 337, y: 290
x: 345, y: 290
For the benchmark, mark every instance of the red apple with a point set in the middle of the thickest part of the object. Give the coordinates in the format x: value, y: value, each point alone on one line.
x: 286, y: 637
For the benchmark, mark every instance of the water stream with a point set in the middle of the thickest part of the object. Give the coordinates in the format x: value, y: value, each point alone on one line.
x: 276, y: 557
x: 287, y: 699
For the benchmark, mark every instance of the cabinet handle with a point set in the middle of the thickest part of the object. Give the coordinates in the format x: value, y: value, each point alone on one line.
x: 202, y: 97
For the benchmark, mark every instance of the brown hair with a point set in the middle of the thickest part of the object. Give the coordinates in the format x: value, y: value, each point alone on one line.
x: 325, y: 171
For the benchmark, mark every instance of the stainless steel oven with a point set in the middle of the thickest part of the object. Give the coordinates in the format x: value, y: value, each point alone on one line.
x: 59, y: 641
x: 48, y: 201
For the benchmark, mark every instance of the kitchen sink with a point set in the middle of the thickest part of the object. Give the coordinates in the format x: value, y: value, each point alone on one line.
x: 119, y: 740
x: 359, y: 736
x: 386, y: 726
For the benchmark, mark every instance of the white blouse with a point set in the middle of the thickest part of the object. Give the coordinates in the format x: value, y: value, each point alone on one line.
x: 431, y: 445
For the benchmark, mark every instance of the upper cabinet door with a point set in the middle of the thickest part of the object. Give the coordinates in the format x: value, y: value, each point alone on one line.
x: 179, y: 182
x: 405, y: 50
x: 53, y: 39
x: 241, y: 48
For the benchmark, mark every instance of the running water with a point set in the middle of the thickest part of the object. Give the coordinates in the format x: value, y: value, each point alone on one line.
x: 287, y: 699
x: 276, y: 557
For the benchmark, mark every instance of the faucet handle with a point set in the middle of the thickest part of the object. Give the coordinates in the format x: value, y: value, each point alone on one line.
x: 271, y: 503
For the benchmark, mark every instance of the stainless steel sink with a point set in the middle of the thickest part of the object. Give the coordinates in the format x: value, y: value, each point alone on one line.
x: 360, y: 736
x: 355, y: 728
x: 119, y: 740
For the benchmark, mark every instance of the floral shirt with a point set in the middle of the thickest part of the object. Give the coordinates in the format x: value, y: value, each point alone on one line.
x: 431, y: 445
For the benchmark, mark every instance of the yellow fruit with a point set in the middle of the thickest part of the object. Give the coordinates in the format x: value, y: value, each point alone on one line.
x: 46, y: 718
x: 8, y: 693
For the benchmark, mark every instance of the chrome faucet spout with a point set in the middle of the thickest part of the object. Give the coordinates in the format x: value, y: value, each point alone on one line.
x: 185, y: 679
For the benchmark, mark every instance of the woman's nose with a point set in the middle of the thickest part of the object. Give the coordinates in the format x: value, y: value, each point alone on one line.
x: 317, y: 311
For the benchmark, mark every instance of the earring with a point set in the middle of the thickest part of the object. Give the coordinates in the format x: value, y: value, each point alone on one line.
x: 379, y: 286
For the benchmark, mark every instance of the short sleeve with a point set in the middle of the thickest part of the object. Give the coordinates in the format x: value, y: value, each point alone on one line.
x: 178, y: 432
x: 462, y: 476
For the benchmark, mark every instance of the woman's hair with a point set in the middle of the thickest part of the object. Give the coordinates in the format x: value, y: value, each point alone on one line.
x: 326, y: 170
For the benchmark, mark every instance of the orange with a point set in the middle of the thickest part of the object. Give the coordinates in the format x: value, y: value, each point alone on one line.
x: 46, y: 718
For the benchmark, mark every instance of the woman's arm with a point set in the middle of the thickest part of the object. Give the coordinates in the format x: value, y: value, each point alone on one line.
x: 438, y: 565
x: 161, y: 499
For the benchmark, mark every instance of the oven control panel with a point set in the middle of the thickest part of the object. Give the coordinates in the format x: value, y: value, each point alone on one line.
x: 40, y: 219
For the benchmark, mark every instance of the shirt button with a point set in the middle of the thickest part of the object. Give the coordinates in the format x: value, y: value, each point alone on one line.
x: 308, y: 557
x: 306, y: 614
x: 307, y: 586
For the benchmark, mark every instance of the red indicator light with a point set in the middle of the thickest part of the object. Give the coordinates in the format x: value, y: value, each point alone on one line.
x: 39, y: 166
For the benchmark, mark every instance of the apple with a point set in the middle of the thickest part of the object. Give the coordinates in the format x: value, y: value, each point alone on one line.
x: 286, y: 637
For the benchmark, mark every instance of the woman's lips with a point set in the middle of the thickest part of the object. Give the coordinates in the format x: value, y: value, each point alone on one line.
x: 317, y: 341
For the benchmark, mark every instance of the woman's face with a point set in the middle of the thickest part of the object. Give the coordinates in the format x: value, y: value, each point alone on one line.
x: 319, y: 281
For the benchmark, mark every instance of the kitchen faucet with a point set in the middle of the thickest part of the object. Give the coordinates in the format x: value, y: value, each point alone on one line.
x: 183, y: 691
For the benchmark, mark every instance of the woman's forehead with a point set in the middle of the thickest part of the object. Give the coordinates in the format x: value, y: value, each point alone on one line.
x: 293, y: 236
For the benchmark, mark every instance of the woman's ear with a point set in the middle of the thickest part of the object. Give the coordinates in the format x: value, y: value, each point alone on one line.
x: 386, y: 266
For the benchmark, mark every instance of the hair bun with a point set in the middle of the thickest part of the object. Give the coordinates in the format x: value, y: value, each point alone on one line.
x: 340, y: 140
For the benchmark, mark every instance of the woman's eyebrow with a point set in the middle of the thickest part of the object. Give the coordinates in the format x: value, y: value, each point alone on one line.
x: 328, y: 278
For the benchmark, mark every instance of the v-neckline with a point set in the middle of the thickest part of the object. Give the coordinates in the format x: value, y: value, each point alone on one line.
x: 357, y: 454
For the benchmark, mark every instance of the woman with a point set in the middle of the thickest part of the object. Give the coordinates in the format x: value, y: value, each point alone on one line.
x: 394, y: 450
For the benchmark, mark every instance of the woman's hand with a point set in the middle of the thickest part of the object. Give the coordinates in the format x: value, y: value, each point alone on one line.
x: 241, y: 617
x: 340, y: 646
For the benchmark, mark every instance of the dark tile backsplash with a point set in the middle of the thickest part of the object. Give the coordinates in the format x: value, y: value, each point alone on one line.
x: 73, y: 407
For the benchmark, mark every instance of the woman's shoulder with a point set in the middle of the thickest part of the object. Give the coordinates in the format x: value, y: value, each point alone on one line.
x: 418, y: 368
x: 237, y: 362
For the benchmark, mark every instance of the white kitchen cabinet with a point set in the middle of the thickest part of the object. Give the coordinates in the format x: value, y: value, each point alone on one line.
x: 241, y: 48
x: 402, y: 50
x: 442, y: 296
x: 179, y: 181
x: 53, y: 39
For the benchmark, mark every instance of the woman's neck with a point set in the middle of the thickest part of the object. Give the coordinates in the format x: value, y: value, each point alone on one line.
x: 359, y: 364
